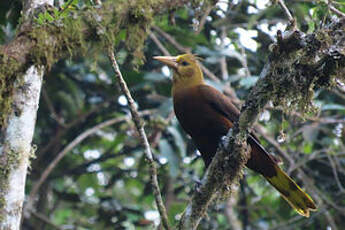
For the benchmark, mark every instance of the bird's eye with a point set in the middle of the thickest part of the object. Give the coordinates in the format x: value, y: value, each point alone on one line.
x: 184, y: 63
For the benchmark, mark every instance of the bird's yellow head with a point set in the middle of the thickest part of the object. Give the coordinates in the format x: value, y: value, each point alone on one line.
x: 187, y: 72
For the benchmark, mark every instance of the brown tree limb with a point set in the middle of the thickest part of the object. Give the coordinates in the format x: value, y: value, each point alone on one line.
x: 324, y: 63
x: 45, y: 43
x: 224, y: 171
x: 143, y: 138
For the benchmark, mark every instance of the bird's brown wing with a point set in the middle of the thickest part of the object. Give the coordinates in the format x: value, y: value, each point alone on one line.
x: 219, y: 102
x: 260, y: 161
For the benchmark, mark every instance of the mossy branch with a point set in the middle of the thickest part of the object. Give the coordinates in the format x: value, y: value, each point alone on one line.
x: 224, y: 172
x: 44, y: 43
x: 297, y: 65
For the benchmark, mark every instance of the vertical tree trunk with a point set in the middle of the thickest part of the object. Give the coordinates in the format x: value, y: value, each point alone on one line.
x: 16, y: 149
x: 15, y: 142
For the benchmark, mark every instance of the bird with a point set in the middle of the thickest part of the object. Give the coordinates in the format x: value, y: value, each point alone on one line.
x: 206, y: 115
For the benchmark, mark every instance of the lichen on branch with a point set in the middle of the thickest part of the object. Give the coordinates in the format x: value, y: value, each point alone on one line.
x: 298, y: 64
x: 53, y: 34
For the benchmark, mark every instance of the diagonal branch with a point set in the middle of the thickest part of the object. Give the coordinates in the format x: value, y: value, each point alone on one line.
x: 336, y: 11
x: 320, y: 68
x: 66, y: 150
x: 288, y: 14
x: 228, y: 90
x: 143, y: 138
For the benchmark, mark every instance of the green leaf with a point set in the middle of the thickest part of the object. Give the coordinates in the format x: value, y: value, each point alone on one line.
x: 311, y: 26
x: 56, y: 12
x: 61, y: 216
x: 175, y: 208
x: 48, y: 17
x: 308, y: 148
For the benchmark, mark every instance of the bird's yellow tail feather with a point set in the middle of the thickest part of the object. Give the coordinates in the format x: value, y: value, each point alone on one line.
x: 292, y: 193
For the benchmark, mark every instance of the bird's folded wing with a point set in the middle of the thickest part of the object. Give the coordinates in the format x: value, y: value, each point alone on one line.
x: 219, y: 102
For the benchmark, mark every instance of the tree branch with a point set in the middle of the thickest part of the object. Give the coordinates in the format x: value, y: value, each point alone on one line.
x: 17, y: 124
x: 228, y: 90
x: 296, y: 59
x: 336, y: 11
x: 63, y: 153
x: 288, y: 14
x: 143, y: 138
x: 45, y: 43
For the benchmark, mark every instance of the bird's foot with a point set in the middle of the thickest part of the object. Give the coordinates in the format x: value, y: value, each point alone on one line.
x: 197, y: 185
x: 224, y: 142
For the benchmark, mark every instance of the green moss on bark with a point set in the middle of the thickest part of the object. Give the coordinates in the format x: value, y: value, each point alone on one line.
x: 7, y: 78
x: 9, y: 160
x: 73, y: 35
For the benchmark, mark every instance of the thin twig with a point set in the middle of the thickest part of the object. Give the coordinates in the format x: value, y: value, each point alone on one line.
x: 159, y: 44
x: 209, y: 74
x: 171, y: 40
x: 222, y: 61
x: 67, y: 149
x: 203, y: 19
x: 227, y: 90
x: 275, y: 144
x: 60, y: 132
x: 336, y: 11
x: 143, y: 138
x: 288, y: 14
x: 230, y: 213
x: 335, y: 173
x: 339, y: 92
x: 181, y: 48
x: 244, y: 61
x: 51, y: 109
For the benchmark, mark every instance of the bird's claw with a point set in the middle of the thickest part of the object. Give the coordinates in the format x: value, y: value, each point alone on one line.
x: 197, y: 185
x: 224, y: 142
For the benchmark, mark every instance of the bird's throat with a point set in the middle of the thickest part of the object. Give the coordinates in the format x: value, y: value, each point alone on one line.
x: 182, y: 83
x: 180, y: 86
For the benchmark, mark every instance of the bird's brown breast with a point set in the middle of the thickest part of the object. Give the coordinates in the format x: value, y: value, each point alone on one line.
x: 200, y: 120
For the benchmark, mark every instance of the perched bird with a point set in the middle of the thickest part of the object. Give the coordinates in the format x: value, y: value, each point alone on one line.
x: 207, y: 115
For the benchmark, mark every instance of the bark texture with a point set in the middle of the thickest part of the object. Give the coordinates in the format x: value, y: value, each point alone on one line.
x: 298, y: 64
x: 16, y: 149
x: 15, y: 141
